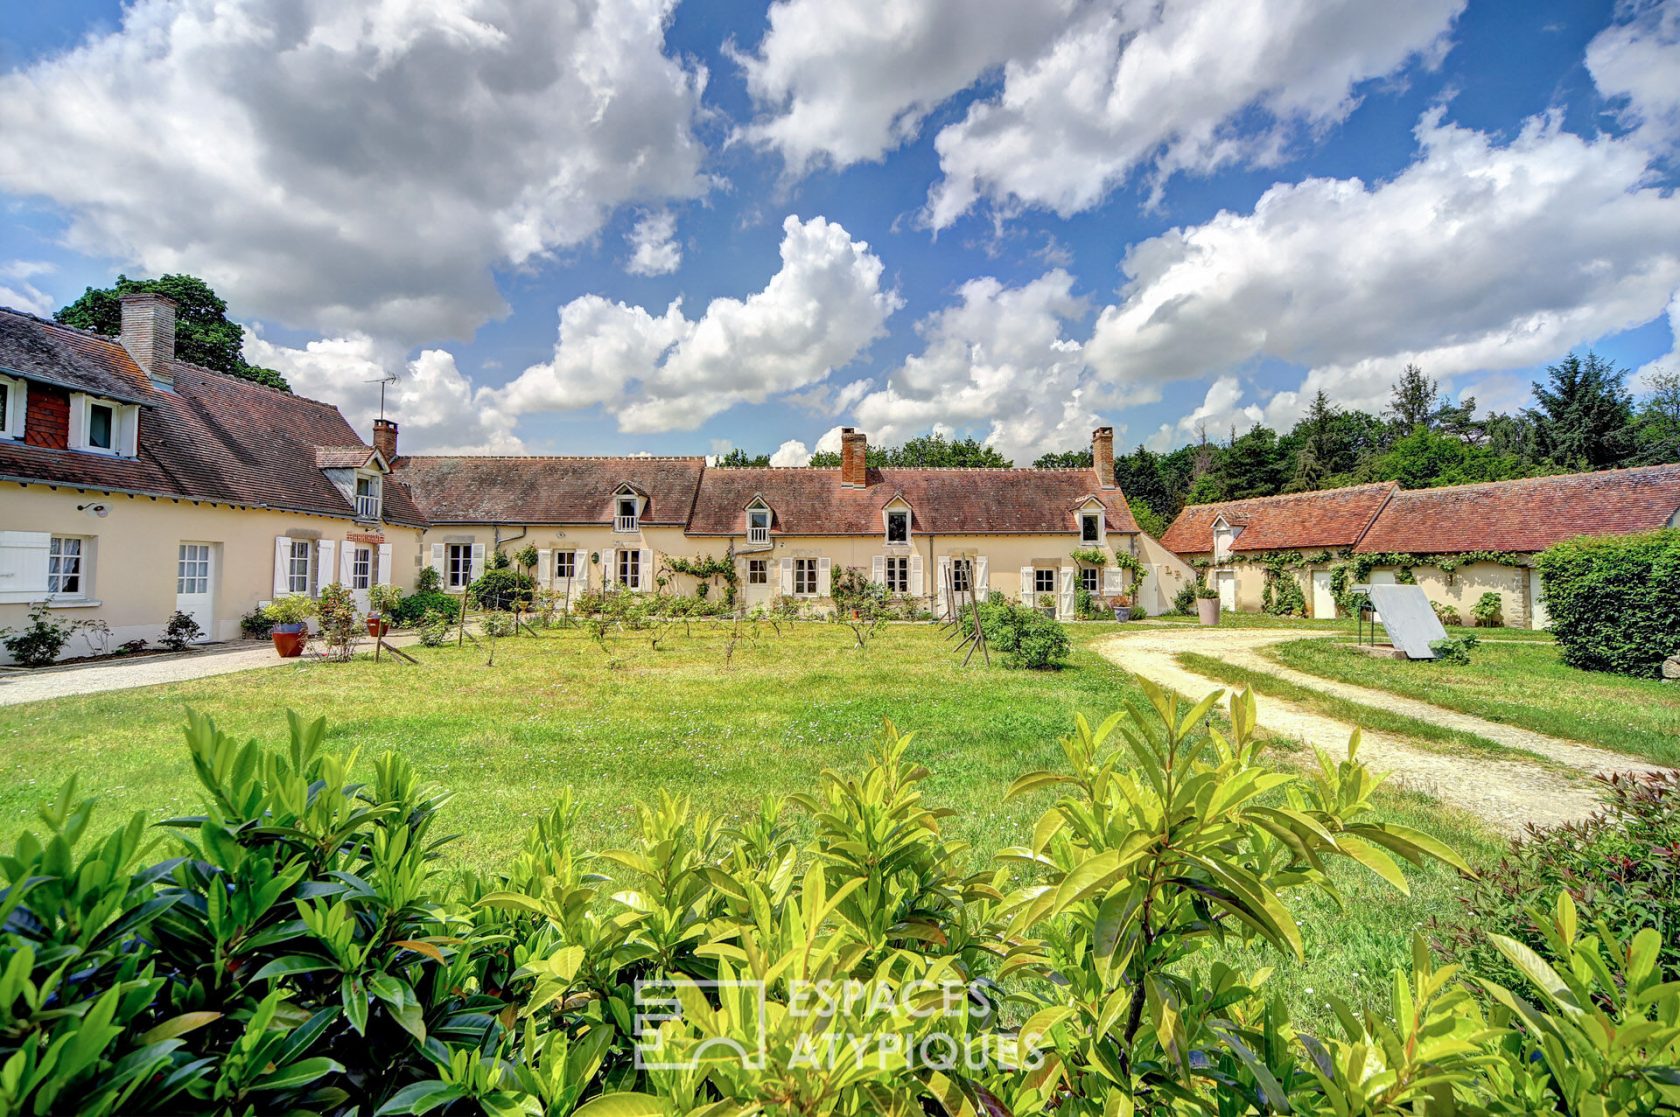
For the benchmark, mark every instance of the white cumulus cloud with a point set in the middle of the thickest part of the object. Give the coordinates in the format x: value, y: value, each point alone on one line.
x: 354, y: 165
x: 1479, y: 256
x: 18, y: 292
x: 1637, y: 60
x: 790, y: 453
x: 1090, y: 92
x: 653, y: 245
x: 669, y: 372
x: 436, y: 406
x: 999, y: 362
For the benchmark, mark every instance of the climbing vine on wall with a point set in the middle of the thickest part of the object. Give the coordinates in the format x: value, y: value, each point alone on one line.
x: 703, y: 569
x: 1123, y: 560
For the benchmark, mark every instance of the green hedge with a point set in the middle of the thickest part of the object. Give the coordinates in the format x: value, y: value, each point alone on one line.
x: 1615, y: 601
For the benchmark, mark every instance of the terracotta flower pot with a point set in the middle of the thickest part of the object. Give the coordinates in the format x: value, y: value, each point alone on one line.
x: 289, y: 639
x: 1207, y: 610
x: 377, y: 626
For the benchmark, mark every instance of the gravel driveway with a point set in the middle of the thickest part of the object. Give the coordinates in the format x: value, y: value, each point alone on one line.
x: 1507, y: 792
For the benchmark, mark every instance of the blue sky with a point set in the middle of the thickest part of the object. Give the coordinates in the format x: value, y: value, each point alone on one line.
x: 1007, y: 220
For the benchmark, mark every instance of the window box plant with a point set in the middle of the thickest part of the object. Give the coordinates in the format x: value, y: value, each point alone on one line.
x: 1207, y: 604
x: 386, y: 602
x: 291, y: 623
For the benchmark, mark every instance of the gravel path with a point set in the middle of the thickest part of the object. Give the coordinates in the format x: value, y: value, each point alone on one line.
x: 1507, y: 792
x: 93, y: 678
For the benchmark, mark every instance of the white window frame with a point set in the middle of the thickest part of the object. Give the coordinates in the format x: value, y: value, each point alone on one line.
x: 457, y: 558
x: 629, y: 567
x: 1090, y: 579
x: 887, y: 528
x: 200, y: 562
x: 758, y: 572
x: 1091, y: 527
x: 622, y: 522
x: 962, y: 574
x: 14, y: 401
x: 369, y: 506
x: 125, y: 426
x: 361, y: 567
x: 1044, y: 580
x: 565, y: 565
x: 65, y: 562
x: 897, y: 573
x: 300, y: 555
x: 757, y: 531
x: 805, y: 574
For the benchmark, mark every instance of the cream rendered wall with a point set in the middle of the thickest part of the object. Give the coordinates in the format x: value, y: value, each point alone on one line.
x: 133, y: 550
x: 1471, y: 581
x: 1005, y: 554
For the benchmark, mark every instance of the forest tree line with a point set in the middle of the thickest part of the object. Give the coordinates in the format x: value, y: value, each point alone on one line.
x: 1583, y: 418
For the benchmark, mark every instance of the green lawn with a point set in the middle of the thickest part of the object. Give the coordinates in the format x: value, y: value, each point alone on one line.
x: 619, y: 725
x: 1424, y: 733
x: 1518, y: 684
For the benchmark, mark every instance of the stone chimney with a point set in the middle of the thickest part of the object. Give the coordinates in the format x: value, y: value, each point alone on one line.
x: 385, y: 439
x: 854, y: 458
x: 148, y: 333
x: 1102, y: 456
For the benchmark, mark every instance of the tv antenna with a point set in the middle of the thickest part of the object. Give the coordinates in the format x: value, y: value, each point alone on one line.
x: 382, y: 381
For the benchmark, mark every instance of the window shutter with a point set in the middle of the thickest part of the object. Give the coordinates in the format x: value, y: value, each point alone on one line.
x: 128, y: 442
x: 644, y: 572
x: 323, y: 563
x: 580, y: 569
x: 1112, y: 580
x: 1026, y: 585
x: 384, y: 578
x: 437, y: 557
x: 545, y: 567
x: 282, y: 564
x: 609, y: 566
x: 1065, y: 607
x: 787, y: 576
x: 346, y: 564
x: 982, y: 578
x: 477, y: 561
x: 78, y: 422
x: 915, y: 575
x: 23, y: 561
x: 825, y: 576
x: 878, y: 569
x: 944, y: 581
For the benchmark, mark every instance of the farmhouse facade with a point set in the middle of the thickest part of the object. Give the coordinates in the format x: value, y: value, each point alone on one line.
x: 134, y: 484
x: 1459, y: 543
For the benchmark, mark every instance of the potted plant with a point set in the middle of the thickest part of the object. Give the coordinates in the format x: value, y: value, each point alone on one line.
x: 1207, y: 604
x: 386, y: 601
x: 1047, y: 604
x: 291, y: 623
x: 1122, y: 605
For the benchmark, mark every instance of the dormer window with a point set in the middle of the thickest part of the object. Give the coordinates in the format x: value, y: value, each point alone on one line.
x: 1090, y: 527
x: 100, y: 426
x: 625, y: 519
x: 367, y: 498
x: 758, y: 524
x: 898, y: 525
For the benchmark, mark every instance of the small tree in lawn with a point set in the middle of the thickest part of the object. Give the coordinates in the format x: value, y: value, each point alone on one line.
x: 340, y: 621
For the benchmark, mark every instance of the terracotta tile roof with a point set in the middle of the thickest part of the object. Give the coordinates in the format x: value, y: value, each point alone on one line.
x: 547, y: 490
x: 942, y: 501
x: 1526, y: 516
x: 1327, y: 518
x: 216, y: 438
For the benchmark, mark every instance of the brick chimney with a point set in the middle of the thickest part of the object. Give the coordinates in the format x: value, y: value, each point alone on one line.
x: 385, y: 439
x: 854, y: 458
x: 148, y: 333
x: 1102, y: 456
